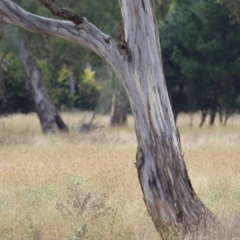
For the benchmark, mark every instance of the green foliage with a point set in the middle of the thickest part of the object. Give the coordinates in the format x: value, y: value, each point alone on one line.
x: 200, y: 47
x: 234, y: 8
x: 201, y: 52
x: 89, y: 90
x: 164, y: 8
x: 45, y: 71
x: 61, y: 95
x: 15, y: 93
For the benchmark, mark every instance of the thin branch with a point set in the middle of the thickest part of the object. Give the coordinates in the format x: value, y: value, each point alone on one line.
x: 63, y: 13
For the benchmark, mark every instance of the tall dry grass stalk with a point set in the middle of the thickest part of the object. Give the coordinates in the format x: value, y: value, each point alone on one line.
x: 85, y: 186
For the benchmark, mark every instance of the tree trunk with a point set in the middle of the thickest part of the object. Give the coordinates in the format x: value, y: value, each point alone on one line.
x: 212, y: 117
x: 227, y: 115
x: 203, y: 117
x: 48, y: 116
x: 175, y: 115
x: 220, y: 112
x: 119, y: 110
x: 170, y: 199
x: 168, y: 193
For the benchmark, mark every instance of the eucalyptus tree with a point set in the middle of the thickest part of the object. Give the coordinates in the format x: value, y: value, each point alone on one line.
x: 205, y: 54
x: 49, y: 118
x: 34, y: 84
x: 136, y: 60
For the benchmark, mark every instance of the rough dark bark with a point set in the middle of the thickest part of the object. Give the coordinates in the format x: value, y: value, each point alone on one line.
x: 48, y: 116
x: 170, y: 199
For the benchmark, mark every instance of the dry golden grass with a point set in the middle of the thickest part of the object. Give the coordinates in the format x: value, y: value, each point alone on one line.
x: 44, y: 179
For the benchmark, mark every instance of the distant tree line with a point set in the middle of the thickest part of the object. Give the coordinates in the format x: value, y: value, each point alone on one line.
x: 201, y: 52
x: 201, y: 55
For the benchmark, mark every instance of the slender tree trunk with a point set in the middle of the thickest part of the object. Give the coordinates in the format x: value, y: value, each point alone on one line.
x: 86, y: 127
x: 48, y: 116
x: 170, y: 199
x: 220, y: 112
x: 203, y: 117
x: 227, y: 115
x: 175, y: 115
x: 119, y: 110
x: 212, y: 117
x: 223, y: 117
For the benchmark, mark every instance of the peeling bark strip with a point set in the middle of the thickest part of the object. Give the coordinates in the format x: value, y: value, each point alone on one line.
x: 170, y: 199
x: 122, y: 44
x: 60, y: 12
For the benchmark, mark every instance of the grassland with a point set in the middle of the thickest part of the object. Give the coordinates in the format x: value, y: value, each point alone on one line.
x: 85, y: 186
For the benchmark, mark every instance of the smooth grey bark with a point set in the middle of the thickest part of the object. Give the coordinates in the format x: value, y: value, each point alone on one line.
x: 169, y: 196
x: 168, y: 193
x: 49, y: 118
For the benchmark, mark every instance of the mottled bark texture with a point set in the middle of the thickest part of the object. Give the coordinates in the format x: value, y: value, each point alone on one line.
x: 168, y: 193
x: 48, y: 116
x: 170, y: 199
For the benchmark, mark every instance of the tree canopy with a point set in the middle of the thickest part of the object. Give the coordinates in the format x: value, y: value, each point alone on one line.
x: 200, y: 47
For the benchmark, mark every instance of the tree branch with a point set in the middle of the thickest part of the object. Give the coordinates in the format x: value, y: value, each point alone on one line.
x: 84, y: 33
x: 64, y: 13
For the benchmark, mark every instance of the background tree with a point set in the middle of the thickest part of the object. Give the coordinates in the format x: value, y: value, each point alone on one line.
x: 56, y: 59
x: 48, y: 116
x: 184, y: 60
x: 14, y: 97
x: 201, y: 52
x: 34, y: 84
x: 120, y: 108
